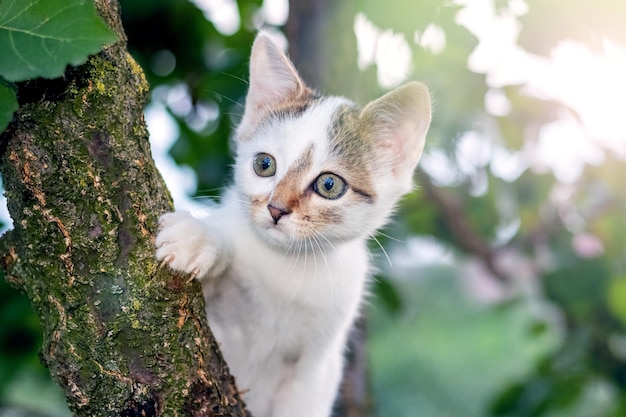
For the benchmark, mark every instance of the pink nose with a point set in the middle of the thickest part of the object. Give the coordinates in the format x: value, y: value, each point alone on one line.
x: 277, y: 212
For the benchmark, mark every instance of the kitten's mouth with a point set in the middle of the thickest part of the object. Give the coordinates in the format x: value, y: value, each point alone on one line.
x: 275, y: 234
x: 275, y: 226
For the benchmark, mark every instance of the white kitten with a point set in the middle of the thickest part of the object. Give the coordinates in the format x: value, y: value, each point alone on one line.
x: 283, y: 260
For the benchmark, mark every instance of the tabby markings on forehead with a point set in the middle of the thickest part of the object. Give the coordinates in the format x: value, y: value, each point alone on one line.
x: 303, y: 163
x: 291, y: 107
x: 288, y: 191
x: 348, y: 143
x: 295, y: 106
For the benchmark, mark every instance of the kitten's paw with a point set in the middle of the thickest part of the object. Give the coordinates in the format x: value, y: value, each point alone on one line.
x: 186, y: 244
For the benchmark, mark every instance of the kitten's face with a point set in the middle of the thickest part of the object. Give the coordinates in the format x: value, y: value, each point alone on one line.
x: 304, y: 183
x: 313, y: 171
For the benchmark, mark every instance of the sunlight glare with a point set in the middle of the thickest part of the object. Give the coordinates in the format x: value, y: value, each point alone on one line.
x: 590, y: 83
x: 224, y: 14
x: 275, y: 12
x: 564, y: 147
x: 180, y: 179
x: 389, y: 51
x: 432, y: 39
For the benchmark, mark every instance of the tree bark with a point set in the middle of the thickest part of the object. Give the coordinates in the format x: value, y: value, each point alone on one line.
x: 122, y: 336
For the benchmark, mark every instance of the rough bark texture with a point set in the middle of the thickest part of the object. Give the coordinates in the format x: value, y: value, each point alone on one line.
x: 122, y: 335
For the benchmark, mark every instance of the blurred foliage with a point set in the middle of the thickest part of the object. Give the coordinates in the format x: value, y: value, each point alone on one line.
x: 461, y: 353
x: 20, y: 333
x: 552, y: 342
x: 550, y: 21
x: 21, y: 373
x: 178, y: 49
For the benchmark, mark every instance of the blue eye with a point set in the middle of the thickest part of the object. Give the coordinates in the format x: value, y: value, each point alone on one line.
x: 264, y: 165
x: 330, y: 186
x: 329, y: 183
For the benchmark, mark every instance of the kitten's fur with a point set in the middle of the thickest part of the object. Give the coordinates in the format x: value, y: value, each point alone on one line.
x: 282, y: 267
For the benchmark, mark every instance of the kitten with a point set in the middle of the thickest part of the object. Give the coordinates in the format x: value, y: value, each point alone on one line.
x: 283, y: 260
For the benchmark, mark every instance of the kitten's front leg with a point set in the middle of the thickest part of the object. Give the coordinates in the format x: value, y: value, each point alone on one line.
x: 311, y: 388
x: 190, y: 245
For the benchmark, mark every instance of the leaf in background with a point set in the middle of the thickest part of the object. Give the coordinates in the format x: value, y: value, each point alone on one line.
x: 388, y: 294
x: 579, y: 286
x: 38, y: 38
x: 405, y: 16
x: 8, y: 104
x: 617, y: 298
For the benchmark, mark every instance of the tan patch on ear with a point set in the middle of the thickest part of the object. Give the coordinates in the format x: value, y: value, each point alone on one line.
x: 398, y: 123
x: 351, y: 146
x: 297, y: 104
x: 291, y: 107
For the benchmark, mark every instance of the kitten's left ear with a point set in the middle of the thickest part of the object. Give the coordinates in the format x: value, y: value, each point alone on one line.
x: 399, y: 120
x: 274, y: 82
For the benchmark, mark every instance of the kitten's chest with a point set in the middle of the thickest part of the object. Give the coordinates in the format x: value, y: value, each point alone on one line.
x: 327, y: 281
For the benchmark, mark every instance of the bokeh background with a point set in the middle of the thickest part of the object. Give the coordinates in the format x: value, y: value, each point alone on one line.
x: 501, y: 289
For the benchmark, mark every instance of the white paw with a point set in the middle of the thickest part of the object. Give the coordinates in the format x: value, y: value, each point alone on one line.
x: 185, y: 244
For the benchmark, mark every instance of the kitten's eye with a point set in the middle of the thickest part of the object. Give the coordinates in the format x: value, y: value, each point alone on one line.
x: 264, y: 165
x: 330, y: 186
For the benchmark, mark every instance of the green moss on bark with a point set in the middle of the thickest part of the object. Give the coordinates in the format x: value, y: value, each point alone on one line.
x: 122, y: 336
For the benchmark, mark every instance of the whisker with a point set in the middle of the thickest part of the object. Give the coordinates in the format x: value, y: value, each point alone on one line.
x: 311, y: 284
x: 318, y: 238
x: 236, y: 77
x: 382, y: 249
x: 210, y: 190
x: 325, y: 238
x: 395, y: 239
x: 296, y: 243
x: 228, y: 99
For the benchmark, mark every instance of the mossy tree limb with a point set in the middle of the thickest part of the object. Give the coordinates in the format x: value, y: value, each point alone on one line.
x: 122, y: 336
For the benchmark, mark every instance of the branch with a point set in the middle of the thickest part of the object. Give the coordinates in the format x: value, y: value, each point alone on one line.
x: 121, y: 335
x: 462, y: 231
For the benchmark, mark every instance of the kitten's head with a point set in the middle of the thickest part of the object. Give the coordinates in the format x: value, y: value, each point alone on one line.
x: 314, y: 170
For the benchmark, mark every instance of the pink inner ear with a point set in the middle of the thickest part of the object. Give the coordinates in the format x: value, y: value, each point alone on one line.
x: 400, y: 121
x: 404, y: 150
x: 272, y: 77
x: 413, y: 138
x: 403, y: 141
x: 273, y: 80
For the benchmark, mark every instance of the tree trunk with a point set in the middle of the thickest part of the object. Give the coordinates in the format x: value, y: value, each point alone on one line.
x: 122, y: 336
x: 322, y: 45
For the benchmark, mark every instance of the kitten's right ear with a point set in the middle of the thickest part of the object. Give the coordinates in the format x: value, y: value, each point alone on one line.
x: 273, y: 82
x: 400, y: 120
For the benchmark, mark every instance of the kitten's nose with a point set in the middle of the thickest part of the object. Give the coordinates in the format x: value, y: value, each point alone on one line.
x: 277, y: 212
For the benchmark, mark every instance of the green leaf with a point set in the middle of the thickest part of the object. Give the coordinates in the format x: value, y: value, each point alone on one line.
x: 402, y: 15
x: 579, y: 286
x: 617, y: 298
x: 8, y: 104
x: 388, y: 294
x: 38, y: 38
